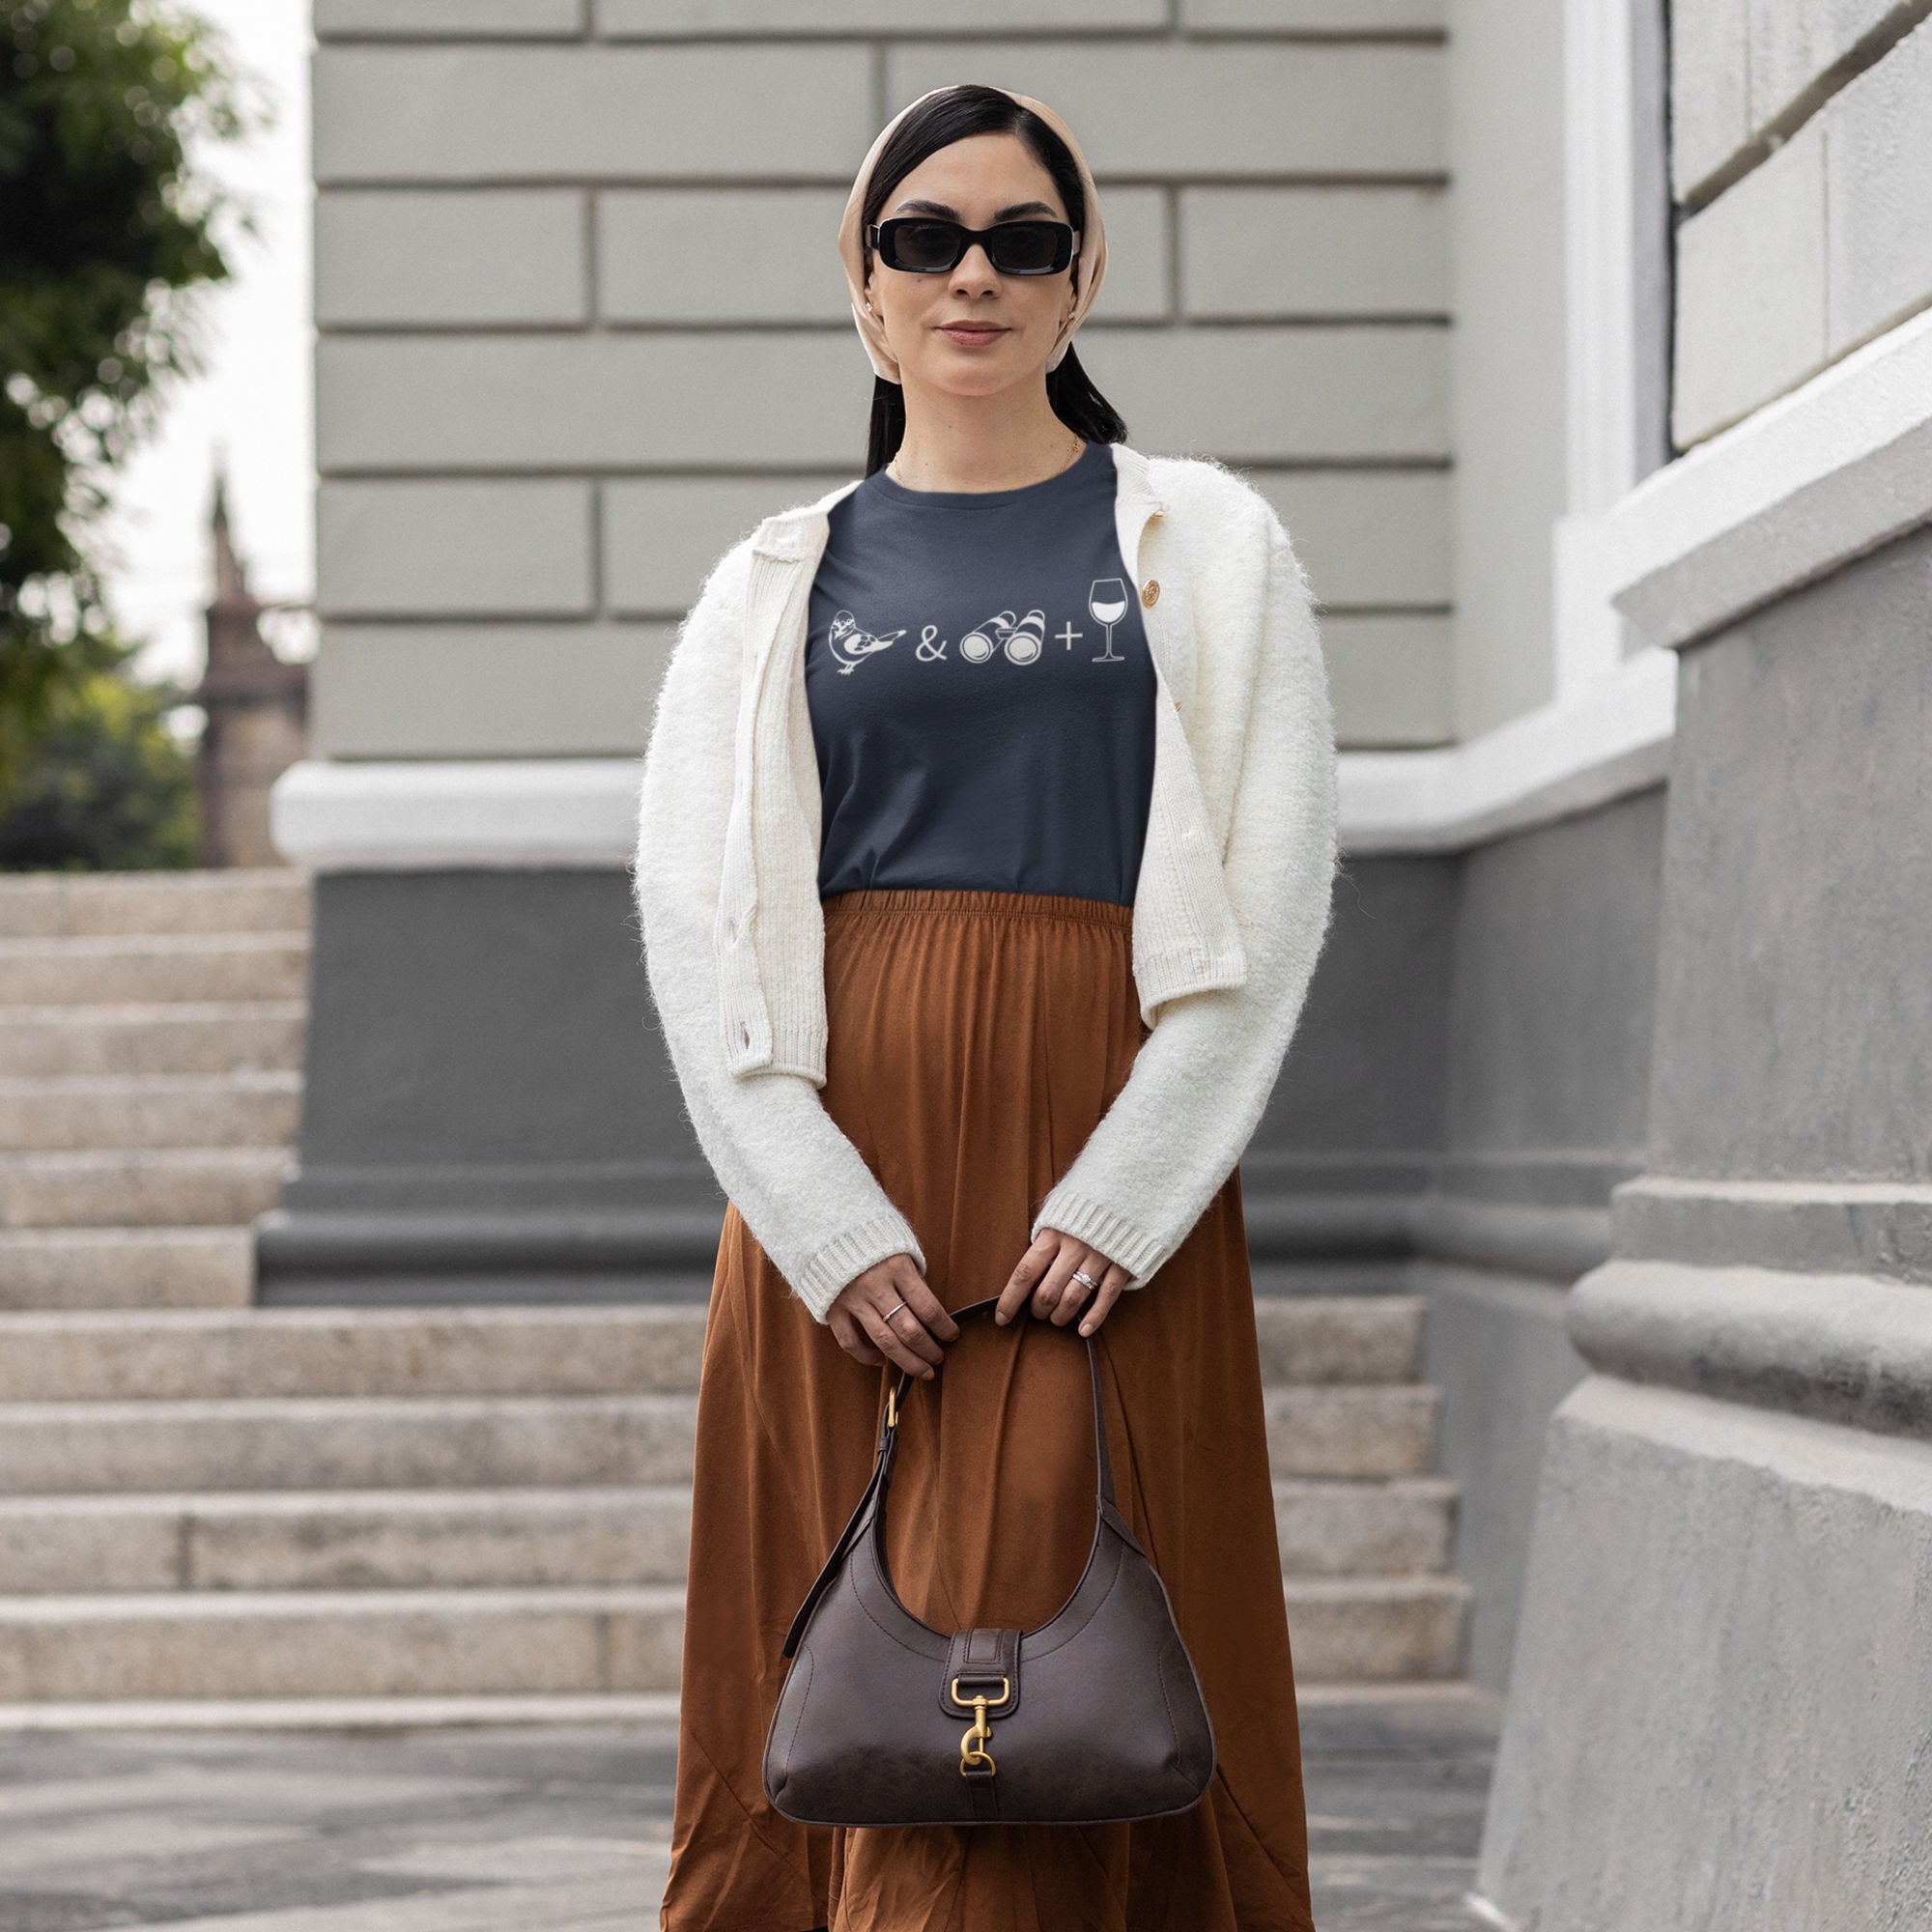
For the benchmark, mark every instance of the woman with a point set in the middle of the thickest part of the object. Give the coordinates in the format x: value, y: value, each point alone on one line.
x: 986, y: 838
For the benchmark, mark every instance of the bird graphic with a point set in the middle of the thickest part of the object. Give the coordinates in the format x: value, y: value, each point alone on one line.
x: 852, y: 645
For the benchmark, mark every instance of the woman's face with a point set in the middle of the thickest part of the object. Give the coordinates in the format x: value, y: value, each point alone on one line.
x: 979, y: 180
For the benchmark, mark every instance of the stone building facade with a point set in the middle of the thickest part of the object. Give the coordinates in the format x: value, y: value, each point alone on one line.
x: 1585, y: 350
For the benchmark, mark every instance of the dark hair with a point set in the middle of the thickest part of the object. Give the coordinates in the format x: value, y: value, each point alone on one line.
x: 953, y: 115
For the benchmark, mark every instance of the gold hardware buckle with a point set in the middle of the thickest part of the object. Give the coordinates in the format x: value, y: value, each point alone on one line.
x: 979, y: 1734
x: 892, y: 1408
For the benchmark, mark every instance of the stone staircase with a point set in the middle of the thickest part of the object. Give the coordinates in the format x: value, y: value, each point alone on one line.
x: 220, y: 1513
x: 151, y: 1029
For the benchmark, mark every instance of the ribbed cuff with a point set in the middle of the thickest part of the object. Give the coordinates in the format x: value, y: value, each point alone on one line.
x: 1117, y: 1238
x: 852, y: 1252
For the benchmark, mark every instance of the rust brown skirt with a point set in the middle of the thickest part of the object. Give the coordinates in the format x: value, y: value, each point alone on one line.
x: 975, y: 1039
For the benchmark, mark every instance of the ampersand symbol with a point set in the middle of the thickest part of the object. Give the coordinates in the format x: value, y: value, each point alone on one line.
x: 928, y: 649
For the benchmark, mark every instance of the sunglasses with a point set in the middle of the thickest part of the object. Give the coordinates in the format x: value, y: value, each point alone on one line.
x: 923, y: 245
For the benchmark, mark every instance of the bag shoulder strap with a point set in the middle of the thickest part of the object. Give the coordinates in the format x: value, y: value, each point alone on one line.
x: 881, y: 1479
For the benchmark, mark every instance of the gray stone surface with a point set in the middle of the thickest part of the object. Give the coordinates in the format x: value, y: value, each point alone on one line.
x: 1821, y: 239
x: 662, y: 535
x: 458, y: 19
x: 1794, y: 1032
x: 460, y: 257
x: 490, y: 113
x: 1311, y: 251
x: 1878, y: 187
x: 1497, y: 1348
x: 1364, y: 1077
x: 486, y: 690
x: 570, y: 1125
x: 644, y: 18
x: 1725, y: 1661
x: 1550, y: 1020
x: 1742, y: 69
x: 1751, y: 295
x: 1391, y: 679
x: 1354, y: 16
x: 465, y: 548
x: 1259, y: 108
x: 567, y: 1830
x: 1249, y: 393
x: 1340, y: 523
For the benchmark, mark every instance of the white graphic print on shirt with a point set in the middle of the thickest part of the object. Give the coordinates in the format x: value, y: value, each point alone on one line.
x: 851, y: 645
x: 1021, y: 638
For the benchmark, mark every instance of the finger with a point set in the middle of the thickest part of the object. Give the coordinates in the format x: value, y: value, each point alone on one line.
x: 851, y: 1338
x: 1111, y: 1289
x: 1073, y: 1296
x: 887, y: 1338
x: 931, y: 1310
x: 1053, y: 1283
x: 1020, y: 1285
x: 906, y: 1325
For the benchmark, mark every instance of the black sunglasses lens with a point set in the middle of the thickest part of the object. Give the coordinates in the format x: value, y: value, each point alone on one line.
x: 1025, y: 248
x: 925, y: 246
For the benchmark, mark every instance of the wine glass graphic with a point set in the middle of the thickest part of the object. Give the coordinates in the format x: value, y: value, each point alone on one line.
x: 1107, y: 603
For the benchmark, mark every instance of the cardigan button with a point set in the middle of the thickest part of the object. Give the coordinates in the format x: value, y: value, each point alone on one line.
x: 1150, y: 591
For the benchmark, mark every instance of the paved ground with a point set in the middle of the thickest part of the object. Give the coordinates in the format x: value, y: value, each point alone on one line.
x: 565, y: 1830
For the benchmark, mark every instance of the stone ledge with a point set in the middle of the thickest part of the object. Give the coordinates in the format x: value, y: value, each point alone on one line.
x: 1834, y: 1347
x: 1880, y: 1227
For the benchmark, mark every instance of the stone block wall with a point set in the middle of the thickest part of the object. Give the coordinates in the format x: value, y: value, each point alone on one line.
x: 582, y: 320
x: 1802, y: 163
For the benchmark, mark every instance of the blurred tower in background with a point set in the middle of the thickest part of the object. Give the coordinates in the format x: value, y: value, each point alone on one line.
x: 257, y: 708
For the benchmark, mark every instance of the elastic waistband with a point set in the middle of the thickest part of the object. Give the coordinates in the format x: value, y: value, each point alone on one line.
x: 963, y: 902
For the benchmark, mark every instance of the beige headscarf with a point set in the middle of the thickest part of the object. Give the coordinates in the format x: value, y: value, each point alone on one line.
x: 1089, y: 266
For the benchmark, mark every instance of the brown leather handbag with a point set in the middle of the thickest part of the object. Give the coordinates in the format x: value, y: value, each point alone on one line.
x: 1093, y: 1718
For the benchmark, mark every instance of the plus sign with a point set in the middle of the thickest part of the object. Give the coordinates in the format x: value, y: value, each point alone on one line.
x: 1067, y: 635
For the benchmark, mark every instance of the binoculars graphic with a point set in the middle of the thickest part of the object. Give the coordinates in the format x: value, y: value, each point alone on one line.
x: 1022, y: 638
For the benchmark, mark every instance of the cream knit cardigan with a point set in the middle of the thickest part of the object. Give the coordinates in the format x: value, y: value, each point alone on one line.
x: 1231, y: 905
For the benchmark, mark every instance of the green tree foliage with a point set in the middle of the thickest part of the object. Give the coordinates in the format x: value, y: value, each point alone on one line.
x: 107, y: 235
x: 106, y: 786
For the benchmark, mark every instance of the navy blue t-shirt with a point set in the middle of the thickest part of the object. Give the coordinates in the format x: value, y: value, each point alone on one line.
x: 981, y: 697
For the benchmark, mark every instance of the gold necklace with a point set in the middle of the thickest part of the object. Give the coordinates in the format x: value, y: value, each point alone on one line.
x: 1079, y: 446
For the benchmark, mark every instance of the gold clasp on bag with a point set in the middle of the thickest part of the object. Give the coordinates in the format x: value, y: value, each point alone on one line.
x: 979, y: 1734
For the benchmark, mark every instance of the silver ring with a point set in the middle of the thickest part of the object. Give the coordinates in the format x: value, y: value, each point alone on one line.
x: 891, y: 1311
x: 1087, y: 1279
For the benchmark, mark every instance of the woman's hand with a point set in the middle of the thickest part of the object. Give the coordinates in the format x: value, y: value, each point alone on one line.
x: 909, y: 1337
x: 1046, y: 1272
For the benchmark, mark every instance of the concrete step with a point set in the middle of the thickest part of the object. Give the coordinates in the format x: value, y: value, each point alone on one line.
x: 126, y: 1268
x: 1352, y: 1432
x: 1403, y: 1526
x: 1376, y: 1629
x: 325, y: 1715
x: 530, y: 1350
x: 158, y: 967
x: 359, y: 1644
x: 140, y: 1187
x: 1340, y: 1338
x: 468, y: 1442
x: 66, y: 906
x: 411, y: 1539
x: 143, y: 1038
x: 480, y: 1352
x: 524, y: 1442
x: 109, y: 1355
x: 626, y: 1637
x: 154, y: 1110
x: 419, y: 1538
